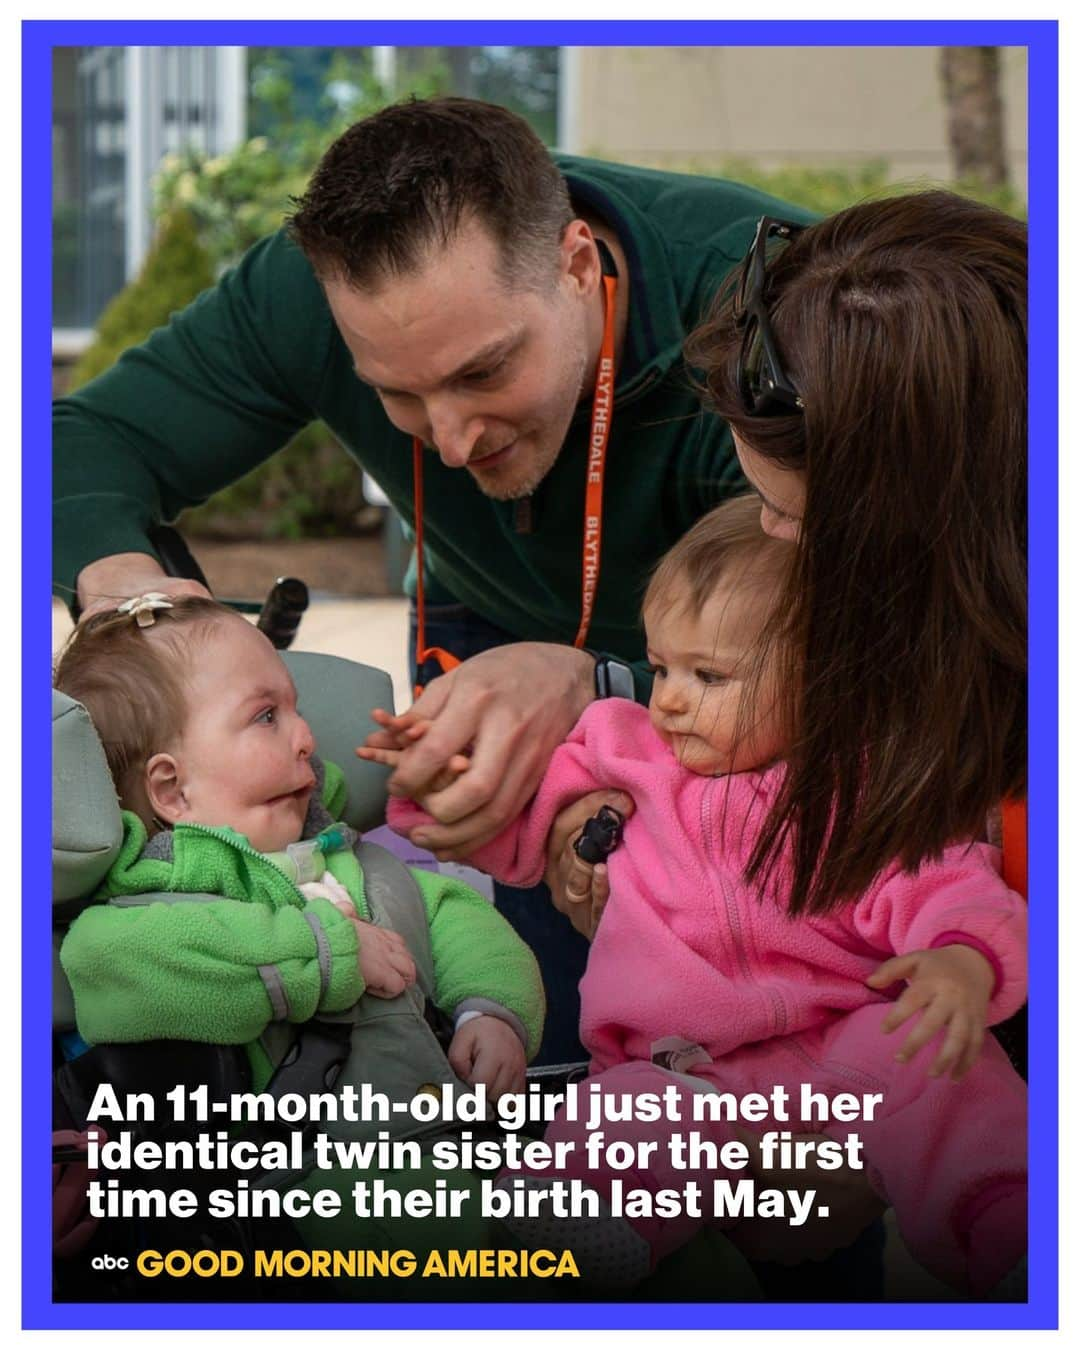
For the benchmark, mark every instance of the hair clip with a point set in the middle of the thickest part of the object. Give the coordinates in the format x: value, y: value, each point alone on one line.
x: 141, y: 607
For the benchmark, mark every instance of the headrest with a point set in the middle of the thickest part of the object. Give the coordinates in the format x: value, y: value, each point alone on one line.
x: 336, y: 697
x: 87, y: 830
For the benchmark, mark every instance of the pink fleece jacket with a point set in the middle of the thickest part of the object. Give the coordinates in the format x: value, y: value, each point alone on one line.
x: 687, y: 949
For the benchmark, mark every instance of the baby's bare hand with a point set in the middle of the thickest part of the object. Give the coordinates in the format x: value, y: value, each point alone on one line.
x: 396, y: 736
x: 951, y: 988
x: 487, y: 1050
x: 383, y: 959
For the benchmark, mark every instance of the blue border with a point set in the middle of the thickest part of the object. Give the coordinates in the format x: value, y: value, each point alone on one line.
x: 1041, y: 39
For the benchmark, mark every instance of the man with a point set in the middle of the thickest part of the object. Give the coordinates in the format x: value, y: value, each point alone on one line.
x: 442, y: 278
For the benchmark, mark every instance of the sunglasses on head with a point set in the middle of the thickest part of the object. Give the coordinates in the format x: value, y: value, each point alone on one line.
x: 764, y: 388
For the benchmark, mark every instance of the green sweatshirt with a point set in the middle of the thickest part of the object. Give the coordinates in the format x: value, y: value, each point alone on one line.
x: 252, y: 360
x: 251, y: 949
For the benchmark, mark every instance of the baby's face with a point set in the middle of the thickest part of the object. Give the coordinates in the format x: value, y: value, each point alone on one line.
x: 243, y: 759
x: 701, y: 666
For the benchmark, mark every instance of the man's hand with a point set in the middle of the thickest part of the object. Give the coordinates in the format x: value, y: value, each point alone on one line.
x: 487, y: 1050
x: 406, y: 733
x: 507, y: 709
x: 954, y: 985
x: 106, y: 583
x: 579, y: 890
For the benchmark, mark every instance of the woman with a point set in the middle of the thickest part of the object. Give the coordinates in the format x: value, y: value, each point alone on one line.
x: 873, y: 369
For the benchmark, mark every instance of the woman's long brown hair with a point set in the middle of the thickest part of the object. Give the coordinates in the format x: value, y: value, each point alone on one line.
x: 903, y: 324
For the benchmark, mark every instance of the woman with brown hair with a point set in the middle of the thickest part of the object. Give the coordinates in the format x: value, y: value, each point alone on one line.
x: 873, y: 368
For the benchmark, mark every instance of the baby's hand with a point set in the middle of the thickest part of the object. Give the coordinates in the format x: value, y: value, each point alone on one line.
x: 954, y: 985
x: 382, y: 957
x: 397, y: 735
x: 487, y: 1050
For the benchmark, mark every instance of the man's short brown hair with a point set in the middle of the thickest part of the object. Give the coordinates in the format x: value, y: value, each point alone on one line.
x: 408, y: 178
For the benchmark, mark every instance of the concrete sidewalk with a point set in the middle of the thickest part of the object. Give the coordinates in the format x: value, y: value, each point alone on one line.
x: 372, y: 631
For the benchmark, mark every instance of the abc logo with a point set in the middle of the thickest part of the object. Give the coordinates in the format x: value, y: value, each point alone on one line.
x: 109, y: 1263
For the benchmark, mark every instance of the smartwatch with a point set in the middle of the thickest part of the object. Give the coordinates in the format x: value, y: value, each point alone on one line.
x: 614, y: 679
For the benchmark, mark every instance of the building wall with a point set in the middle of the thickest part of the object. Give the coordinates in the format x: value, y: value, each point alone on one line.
x: 670, y: 106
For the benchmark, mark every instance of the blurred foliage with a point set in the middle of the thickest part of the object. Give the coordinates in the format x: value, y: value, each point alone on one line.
x: 827, y: 190
x: 523, y: 79
x: 175, y: 270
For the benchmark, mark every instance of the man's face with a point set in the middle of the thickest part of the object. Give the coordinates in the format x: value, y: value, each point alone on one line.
x: 487, y: 376
x: 243, y: 759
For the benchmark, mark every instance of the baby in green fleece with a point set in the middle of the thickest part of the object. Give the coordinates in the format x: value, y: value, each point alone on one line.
x: 215, y: 769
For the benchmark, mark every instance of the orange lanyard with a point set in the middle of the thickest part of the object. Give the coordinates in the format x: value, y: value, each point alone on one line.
x: 594, y: 469
x: 446, y: 660
x: 594, y: 497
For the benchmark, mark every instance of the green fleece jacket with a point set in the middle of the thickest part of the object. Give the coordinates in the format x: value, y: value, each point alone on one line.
x: 251, y: 949
x: 237, y: 373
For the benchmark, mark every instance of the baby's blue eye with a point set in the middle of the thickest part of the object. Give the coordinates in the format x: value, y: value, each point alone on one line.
x: 711, y: 677
x: 658, y: 671
x: 268, y: 716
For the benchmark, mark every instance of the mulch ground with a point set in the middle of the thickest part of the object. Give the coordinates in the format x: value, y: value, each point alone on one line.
x: 247, y: 570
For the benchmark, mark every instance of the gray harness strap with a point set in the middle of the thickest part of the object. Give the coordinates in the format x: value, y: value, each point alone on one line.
x: 394, y: 901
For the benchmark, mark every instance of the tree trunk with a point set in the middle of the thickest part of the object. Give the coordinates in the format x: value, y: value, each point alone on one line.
x: 971, y: 77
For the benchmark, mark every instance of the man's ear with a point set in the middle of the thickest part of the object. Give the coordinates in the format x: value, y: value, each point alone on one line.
x: 579, y: 261
x: 163, y: 789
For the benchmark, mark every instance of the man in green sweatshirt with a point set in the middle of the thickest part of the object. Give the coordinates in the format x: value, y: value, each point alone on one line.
x: 444, y: 279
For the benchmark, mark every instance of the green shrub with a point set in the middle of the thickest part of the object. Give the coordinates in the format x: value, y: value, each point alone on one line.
x: 176, y: 269
x: 311, y: 488
x: 828, y: 190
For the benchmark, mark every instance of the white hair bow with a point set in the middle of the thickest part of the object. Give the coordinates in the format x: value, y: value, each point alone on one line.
x: 141, y: 607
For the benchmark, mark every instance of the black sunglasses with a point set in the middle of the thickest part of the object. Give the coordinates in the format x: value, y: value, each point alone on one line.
x: 764, y: 388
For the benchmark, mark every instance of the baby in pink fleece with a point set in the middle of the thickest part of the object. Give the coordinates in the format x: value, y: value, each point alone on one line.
x: 700, y: 982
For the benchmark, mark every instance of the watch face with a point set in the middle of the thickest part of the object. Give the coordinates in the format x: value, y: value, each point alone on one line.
x: 614, y: 679
x: 620, y: 680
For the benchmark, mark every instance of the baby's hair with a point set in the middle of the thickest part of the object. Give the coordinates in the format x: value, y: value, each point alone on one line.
x: 728, y: 543
x: 132, y: 682
x: 727, y: 547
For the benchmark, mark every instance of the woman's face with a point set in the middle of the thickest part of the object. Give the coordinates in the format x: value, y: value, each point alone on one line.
x: 782, y: 492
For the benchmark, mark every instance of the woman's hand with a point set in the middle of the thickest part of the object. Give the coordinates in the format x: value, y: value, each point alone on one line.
x: 579, y: 890
x: 953, y: 984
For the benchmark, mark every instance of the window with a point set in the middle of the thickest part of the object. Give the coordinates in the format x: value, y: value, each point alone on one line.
x: 116, y: 111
